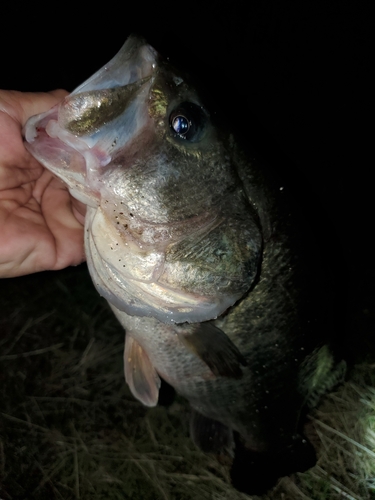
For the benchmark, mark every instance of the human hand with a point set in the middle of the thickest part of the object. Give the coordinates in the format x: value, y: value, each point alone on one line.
x: 41, y: 225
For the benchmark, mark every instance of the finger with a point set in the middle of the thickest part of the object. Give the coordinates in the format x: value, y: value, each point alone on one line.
x: 79, y: 210
x: 63, y: 224
x: 47, y: 179
x: 21, y: 105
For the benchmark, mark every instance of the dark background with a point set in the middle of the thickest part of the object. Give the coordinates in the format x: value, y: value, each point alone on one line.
x: 297, y: 75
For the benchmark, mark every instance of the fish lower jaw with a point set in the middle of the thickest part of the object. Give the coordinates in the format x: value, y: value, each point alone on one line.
x: 150, y: 299
x: 130, y: 281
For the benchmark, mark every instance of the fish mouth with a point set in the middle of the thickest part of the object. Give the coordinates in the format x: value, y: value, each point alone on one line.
x: 75, y: 139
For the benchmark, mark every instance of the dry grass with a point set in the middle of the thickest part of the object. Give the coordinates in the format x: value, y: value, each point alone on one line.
x: 344, y: 429
x: 70, y: 429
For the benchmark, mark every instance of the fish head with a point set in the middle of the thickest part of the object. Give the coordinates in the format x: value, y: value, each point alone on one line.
x: 170, y: 232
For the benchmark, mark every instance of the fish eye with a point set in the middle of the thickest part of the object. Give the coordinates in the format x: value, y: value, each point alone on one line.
x: 187, y: 121
x: 181, y: 125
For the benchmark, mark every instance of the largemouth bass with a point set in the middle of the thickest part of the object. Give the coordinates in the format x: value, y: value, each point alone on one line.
x: 200, y: 257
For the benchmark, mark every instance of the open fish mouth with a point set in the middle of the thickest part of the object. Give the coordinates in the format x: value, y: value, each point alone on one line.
x: 76, y: 139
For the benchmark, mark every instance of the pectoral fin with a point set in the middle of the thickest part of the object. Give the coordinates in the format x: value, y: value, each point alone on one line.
x: 140, y: 374
x: 215, y: 348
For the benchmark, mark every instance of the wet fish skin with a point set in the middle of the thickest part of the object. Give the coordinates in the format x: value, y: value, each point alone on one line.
x: 196, y: 250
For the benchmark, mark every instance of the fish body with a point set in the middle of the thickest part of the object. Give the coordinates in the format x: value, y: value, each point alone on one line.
x: 196, y: 250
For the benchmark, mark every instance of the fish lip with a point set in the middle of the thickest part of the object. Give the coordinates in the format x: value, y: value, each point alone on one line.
x: 64, y: 161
